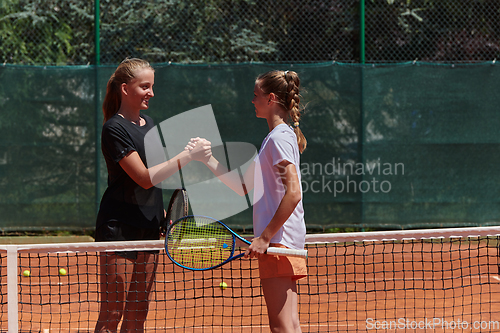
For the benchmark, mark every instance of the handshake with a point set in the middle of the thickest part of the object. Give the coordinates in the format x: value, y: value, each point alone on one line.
x: 199, y: 149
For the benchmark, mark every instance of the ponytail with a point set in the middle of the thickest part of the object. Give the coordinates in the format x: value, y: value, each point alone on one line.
x: 112, y: 100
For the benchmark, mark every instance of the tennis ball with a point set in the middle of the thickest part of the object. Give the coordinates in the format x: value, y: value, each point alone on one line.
x: 62, y: 271
x: 26, y: 273
x: 223, y: 285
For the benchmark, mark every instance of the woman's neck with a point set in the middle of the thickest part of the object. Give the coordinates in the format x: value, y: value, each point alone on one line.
x: 274, y: 121
x: 130, y: 115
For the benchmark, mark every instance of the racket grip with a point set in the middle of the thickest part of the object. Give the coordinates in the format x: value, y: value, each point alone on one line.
x: 278, y: 251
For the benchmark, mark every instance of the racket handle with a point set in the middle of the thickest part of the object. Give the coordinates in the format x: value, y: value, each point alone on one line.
x: 278, y: 251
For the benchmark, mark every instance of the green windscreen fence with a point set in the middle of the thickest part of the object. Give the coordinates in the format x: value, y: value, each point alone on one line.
x: 389, y: 147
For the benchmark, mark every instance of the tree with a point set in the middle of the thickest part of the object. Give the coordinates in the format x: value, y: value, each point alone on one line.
x: 46, y: 32
x: 432, y: 31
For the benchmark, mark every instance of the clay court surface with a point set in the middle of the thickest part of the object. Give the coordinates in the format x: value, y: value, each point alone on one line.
x: 349, y: 289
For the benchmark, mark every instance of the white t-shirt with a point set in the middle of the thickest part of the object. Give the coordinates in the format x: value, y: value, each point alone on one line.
x: 280, y: 144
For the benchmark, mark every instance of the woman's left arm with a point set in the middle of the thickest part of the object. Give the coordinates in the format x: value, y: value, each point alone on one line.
x: 293, y: 195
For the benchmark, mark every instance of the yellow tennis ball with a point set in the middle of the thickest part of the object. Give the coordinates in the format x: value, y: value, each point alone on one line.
x: 26, y: 273
x: 223, y: 285
x: 62, y: 271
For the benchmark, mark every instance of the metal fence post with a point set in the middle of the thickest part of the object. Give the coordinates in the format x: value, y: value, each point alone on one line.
x: 362, y: 31
x: 97, y: 46
x: 361, y: 136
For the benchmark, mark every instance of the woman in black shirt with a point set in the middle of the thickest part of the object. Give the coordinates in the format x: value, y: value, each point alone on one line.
x: 131, y: 207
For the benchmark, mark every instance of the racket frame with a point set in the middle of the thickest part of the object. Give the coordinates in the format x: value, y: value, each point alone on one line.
x: 165, y: 224
x: 270, y: 250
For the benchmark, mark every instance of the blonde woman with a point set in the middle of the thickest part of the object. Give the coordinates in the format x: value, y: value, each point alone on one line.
x: 131, y: 207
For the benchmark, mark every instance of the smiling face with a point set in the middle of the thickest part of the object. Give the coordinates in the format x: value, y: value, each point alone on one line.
x: 140, y: 89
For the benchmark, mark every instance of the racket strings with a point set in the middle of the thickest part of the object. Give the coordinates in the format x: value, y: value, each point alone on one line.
x: 199, y: 243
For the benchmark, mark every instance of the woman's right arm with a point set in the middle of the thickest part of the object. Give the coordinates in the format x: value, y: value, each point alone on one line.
x: 147, y: 178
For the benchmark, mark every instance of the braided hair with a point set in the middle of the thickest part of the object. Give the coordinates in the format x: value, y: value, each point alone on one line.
x: 286, y: 85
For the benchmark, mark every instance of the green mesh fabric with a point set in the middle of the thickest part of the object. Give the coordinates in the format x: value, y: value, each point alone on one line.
x: 399, y: 146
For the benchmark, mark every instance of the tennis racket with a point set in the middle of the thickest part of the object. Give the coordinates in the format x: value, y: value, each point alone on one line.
x: 201, y: 243
x: 177, y: 208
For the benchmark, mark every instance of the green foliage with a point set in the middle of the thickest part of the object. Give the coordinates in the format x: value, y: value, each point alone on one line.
x: 217, y: 31
x: 179, y: 31
x: 52, y: 32
x: 45, y: 32
x: 432, y: 30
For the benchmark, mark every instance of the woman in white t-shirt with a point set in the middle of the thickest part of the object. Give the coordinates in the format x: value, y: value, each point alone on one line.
x: 278, y: 215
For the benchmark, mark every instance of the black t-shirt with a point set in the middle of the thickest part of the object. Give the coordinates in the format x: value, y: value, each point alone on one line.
x: 124, y: 200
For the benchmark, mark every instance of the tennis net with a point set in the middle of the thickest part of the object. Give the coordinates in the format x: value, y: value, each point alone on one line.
x: 441, y: 280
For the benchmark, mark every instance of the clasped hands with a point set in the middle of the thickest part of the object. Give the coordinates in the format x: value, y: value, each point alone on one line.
x: 199, y: 149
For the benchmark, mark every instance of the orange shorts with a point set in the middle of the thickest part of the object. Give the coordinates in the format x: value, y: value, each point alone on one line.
x: 271, y: 266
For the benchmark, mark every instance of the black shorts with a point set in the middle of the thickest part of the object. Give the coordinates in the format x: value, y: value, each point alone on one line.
x: 118, y: 231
